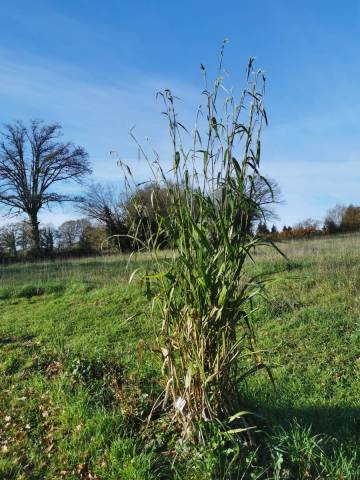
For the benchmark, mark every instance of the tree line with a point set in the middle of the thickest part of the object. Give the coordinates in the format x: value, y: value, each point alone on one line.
x: 339, y: 219
x: 111, y: 222
x: 107, y: 224
x: 35, y: 166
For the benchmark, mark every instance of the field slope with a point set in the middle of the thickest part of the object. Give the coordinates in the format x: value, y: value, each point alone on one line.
x: 77, y: 385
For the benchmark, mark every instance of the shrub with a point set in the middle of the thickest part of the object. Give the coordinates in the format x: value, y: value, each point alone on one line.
x: 143, y: 209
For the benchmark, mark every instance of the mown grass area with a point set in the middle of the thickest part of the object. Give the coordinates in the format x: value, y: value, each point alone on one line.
x: 77, y: 385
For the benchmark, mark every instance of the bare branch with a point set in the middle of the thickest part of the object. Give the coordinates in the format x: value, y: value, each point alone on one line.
x: 32, y: 160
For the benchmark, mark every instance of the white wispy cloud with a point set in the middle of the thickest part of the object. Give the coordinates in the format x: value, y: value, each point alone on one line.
x: 316, y: 159
x: 96, y: 115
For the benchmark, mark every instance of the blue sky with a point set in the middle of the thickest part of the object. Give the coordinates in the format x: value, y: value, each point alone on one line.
x: 95, y: 67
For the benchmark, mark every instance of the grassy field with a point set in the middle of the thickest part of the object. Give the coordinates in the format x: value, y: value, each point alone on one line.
x: 75, y: 393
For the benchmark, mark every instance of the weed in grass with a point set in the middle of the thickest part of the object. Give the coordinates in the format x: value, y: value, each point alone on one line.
x: 298, y: 453
x: 205, y: 295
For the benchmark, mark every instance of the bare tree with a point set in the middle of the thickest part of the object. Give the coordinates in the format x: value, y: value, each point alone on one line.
x: 334, y: 219
x: 308, y: 223
x: 9, y: 239
x: 24, y: 236
x: 103, y: 204
x: 32, y: 160
x: 15, y: 238
x: 265, y: 194
x: 70, y: 232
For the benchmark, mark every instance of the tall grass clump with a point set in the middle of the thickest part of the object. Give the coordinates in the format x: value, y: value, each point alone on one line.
x: 205, y: 290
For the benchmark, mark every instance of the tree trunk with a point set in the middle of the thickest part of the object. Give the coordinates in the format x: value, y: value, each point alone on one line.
x: 35, y: 232
x: 13, y: 245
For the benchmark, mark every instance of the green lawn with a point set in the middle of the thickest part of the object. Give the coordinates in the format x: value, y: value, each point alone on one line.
x: 74, y: 397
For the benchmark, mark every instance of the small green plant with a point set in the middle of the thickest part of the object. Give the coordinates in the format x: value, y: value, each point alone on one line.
x: 204, y: 293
